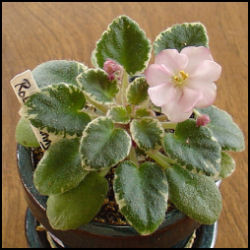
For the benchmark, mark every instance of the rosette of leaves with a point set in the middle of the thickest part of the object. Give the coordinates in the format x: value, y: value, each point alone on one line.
x: 179, y: 166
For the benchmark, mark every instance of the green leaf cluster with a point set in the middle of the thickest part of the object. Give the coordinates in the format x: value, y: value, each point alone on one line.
x: 102, y: 123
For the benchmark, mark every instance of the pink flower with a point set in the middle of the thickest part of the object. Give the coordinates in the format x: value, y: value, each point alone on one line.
x: 113, y: 69
x: 202, y: 120
x: 179, y: 82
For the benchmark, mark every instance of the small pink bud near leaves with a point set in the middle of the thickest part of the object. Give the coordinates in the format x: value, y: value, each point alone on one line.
x: 202, y: 120
x: 181, y: 81
x: 113, y: 69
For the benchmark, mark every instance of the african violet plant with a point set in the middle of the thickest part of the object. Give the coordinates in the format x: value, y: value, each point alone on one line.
x: 155, y: 124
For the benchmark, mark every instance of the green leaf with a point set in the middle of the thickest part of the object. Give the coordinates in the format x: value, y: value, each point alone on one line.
x: 137, y: 91
x: 146, y: 132
x: 58, y: 108
x: 103, y: 145
x: 78, y: 206
x: 119, y: 114
x: 142, y: 195
x: 125, y: 43
x: 227, y: 133
x: 180, y: 36
x: 194, y: 147
x: 227, y: 165
x: 57, y: 71
x: 60, y: 168
x: 97, y: 86
x: 25, y: 135
x: 197, y: 196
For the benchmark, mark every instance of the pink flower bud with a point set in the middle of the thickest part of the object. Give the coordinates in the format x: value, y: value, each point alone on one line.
x: 202, y: 120
x: 113, y: 69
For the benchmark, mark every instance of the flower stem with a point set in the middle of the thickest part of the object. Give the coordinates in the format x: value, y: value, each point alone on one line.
x: 169, y: 125
x: 160, y: 158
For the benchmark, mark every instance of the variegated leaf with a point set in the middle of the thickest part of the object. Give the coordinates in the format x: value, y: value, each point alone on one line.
x: 102, y: 145
x: 194, y: 147
x: 142, y: 195
x: 180, y: 36
x: 125, y: 42
x: 197, y: 196
x: 57, y: 71
x: 146, y: 132
x: 58, y: 108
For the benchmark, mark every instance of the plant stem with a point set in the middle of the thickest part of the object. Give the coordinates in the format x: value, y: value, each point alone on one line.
x: 169, y: 125
x: 99, y: 106
x: 104, y: 172
x: 160, y: 158
x: 124, y: 87
x: 132, y: 156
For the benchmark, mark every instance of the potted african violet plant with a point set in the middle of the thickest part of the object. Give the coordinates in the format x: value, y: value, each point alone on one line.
x: 146, y: 135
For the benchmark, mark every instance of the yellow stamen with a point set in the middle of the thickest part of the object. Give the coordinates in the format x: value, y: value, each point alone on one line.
x: 184, y: 75
x: 180, y: 78
x: 176, y: 78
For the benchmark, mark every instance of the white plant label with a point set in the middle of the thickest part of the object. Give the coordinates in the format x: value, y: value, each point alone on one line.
x: 25, y: 85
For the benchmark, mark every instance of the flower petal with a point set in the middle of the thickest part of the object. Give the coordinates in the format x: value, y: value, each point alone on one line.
x: 208, y: 90
x: 189, y: 99
x: 172, y: 59
x: 180, y: 109
x: 207, y: 71
x: 163, y: 94
x: 175, y: 116
x: 157, y: 74
x: 196, y: 55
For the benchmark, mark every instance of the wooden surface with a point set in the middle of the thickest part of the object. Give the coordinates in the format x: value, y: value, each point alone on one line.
x: 37, y: 32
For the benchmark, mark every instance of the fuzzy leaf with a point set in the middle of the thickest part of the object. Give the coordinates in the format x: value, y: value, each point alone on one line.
x: 97, y: 86
x: 227, y: 165
x: 180, y: 36
x: 227, y: 133
x: 146, y: 132
x: 58, y: 109
x: 125, y: 43
x: 57, y: 71
x: 78, y: 206
x: 119, y: 114
x: 194, y: 147
x: 142, y: 195
x: 103, y: 145
x: 25, y: 135
x: 137, y: 91
x: 60, y: 168
x: 197, y: 196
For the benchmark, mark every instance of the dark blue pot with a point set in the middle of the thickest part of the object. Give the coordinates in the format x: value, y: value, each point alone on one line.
x: 175, y: 228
